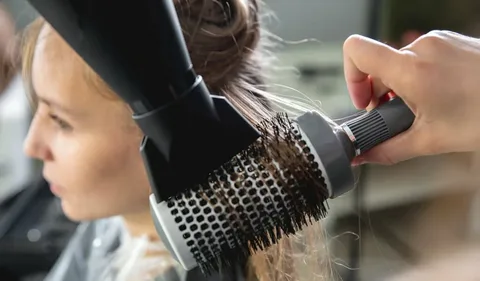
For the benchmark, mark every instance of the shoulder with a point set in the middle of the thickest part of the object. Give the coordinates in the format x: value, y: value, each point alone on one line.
x: 89, y: 253
x: 90, y: 244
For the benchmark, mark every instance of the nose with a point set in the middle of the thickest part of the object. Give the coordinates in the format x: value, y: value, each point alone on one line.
x: 35, y: 144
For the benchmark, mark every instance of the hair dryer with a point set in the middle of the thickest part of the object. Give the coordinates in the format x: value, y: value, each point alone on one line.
x: 139, y: 50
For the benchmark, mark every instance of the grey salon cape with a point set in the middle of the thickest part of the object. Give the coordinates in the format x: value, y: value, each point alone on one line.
x: 86, y: 256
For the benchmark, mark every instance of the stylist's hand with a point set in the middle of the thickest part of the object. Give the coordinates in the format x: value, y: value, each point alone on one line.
x: 438, y: 77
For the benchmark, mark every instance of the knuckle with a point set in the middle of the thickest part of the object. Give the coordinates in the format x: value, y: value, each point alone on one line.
x: 419, y: 67
x: 436, y: 33
x: 432, y: 40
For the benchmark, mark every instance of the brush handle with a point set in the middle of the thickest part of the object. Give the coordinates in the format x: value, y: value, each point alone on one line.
x: 378, y: 125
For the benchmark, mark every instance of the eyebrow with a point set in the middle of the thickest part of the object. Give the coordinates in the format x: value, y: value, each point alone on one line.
x: 55, y: 105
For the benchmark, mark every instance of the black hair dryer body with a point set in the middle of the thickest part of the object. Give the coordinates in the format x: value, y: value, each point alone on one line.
x: 138, y: 49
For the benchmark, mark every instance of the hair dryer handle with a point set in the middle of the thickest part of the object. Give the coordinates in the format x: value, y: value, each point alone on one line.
x: 379, y: 125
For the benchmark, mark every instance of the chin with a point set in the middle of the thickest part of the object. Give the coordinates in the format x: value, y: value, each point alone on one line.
x: 79, y: 214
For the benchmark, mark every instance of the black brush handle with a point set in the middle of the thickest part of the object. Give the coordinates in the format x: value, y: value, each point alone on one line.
x: 379, y: 125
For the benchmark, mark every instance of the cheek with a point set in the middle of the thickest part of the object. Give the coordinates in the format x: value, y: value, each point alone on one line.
x: 83, y: 160
x: 106, y: 176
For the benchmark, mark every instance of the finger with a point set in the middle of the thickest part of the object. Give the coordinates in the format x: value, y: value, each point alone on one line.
x: 410, y: 144
x: 364, y: 57
x: 378, y: 90
x: 373, y: 104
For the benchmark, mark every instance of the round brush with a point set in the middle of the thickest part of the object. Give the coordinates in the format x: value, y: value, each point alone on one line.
x: 274, y: 188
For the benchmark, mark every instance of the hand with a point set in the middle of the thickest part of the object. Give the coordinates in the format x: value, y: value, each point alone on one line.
x: 438, y: 77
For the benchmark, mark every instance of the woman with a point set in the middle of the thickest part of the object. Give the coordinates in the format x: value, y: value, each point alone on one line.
x: 89, y: 144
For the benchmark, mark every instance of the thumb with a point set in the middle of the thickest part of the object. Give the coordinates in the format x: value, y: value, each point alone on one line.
x: 404, y: 146
x: 365, y: 57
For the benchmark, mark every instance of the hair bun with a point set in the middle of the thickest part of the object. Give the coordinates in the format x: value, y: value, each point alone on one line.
x: 220, y: 36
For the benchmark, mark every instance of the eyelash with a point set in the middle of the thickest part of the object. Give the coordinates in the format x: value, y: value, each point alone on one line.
x: 61, y: 123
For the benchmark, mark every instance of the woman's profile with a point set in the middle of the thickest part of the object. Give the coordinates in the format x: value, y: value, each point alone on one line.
x: 88, y: 142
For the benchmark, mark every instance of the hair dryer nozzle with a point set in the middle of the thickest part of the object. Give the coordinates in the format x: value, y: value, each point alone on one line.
x: 136, y: 47
x: 139, y: 50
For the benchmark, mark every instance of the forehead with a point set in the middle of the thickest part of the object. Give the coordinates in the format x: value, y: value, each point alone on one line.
x: 58, y: 73
x: 52, y: 50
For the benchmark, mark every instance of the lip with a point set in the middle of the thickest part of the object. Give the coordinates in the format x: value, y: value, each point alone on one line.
x: 55, y: 189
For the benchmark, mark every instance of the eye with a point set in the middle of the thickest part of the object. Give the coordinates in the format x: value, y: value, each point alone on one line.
x: 61, y: 123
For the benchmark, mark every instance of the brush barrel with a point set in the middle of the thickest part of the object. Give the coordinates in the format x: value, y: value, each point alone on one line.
x: 333, y: 148
x: 170, y: 234
x: 379, y: 125
x: 272, y: 189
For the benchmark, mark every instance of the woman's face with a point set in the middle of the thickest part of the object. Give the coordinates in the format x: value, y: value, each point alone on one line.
x: 87, y: 143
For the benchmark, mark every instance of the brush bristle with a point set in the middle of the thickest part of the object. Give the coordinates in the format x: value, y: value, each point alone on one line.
x: 273, y: 188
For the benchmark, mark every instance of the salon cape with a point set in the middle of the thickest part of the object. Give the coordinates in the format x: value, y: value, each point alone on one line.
x: 86, y: 256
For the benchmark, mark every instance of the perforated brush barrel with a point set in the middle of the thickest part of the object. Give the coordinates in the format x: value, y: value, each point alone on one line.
x: 273, y: 188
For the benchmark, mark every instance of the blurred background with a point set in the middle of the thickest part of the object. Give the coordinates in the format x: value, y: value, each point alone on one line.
x: 400, y: 220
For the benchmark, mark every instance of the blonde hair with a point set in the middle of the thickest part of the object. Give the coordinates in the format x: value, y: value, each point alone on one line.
x: 228, y: 50
x: 8, y: 44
